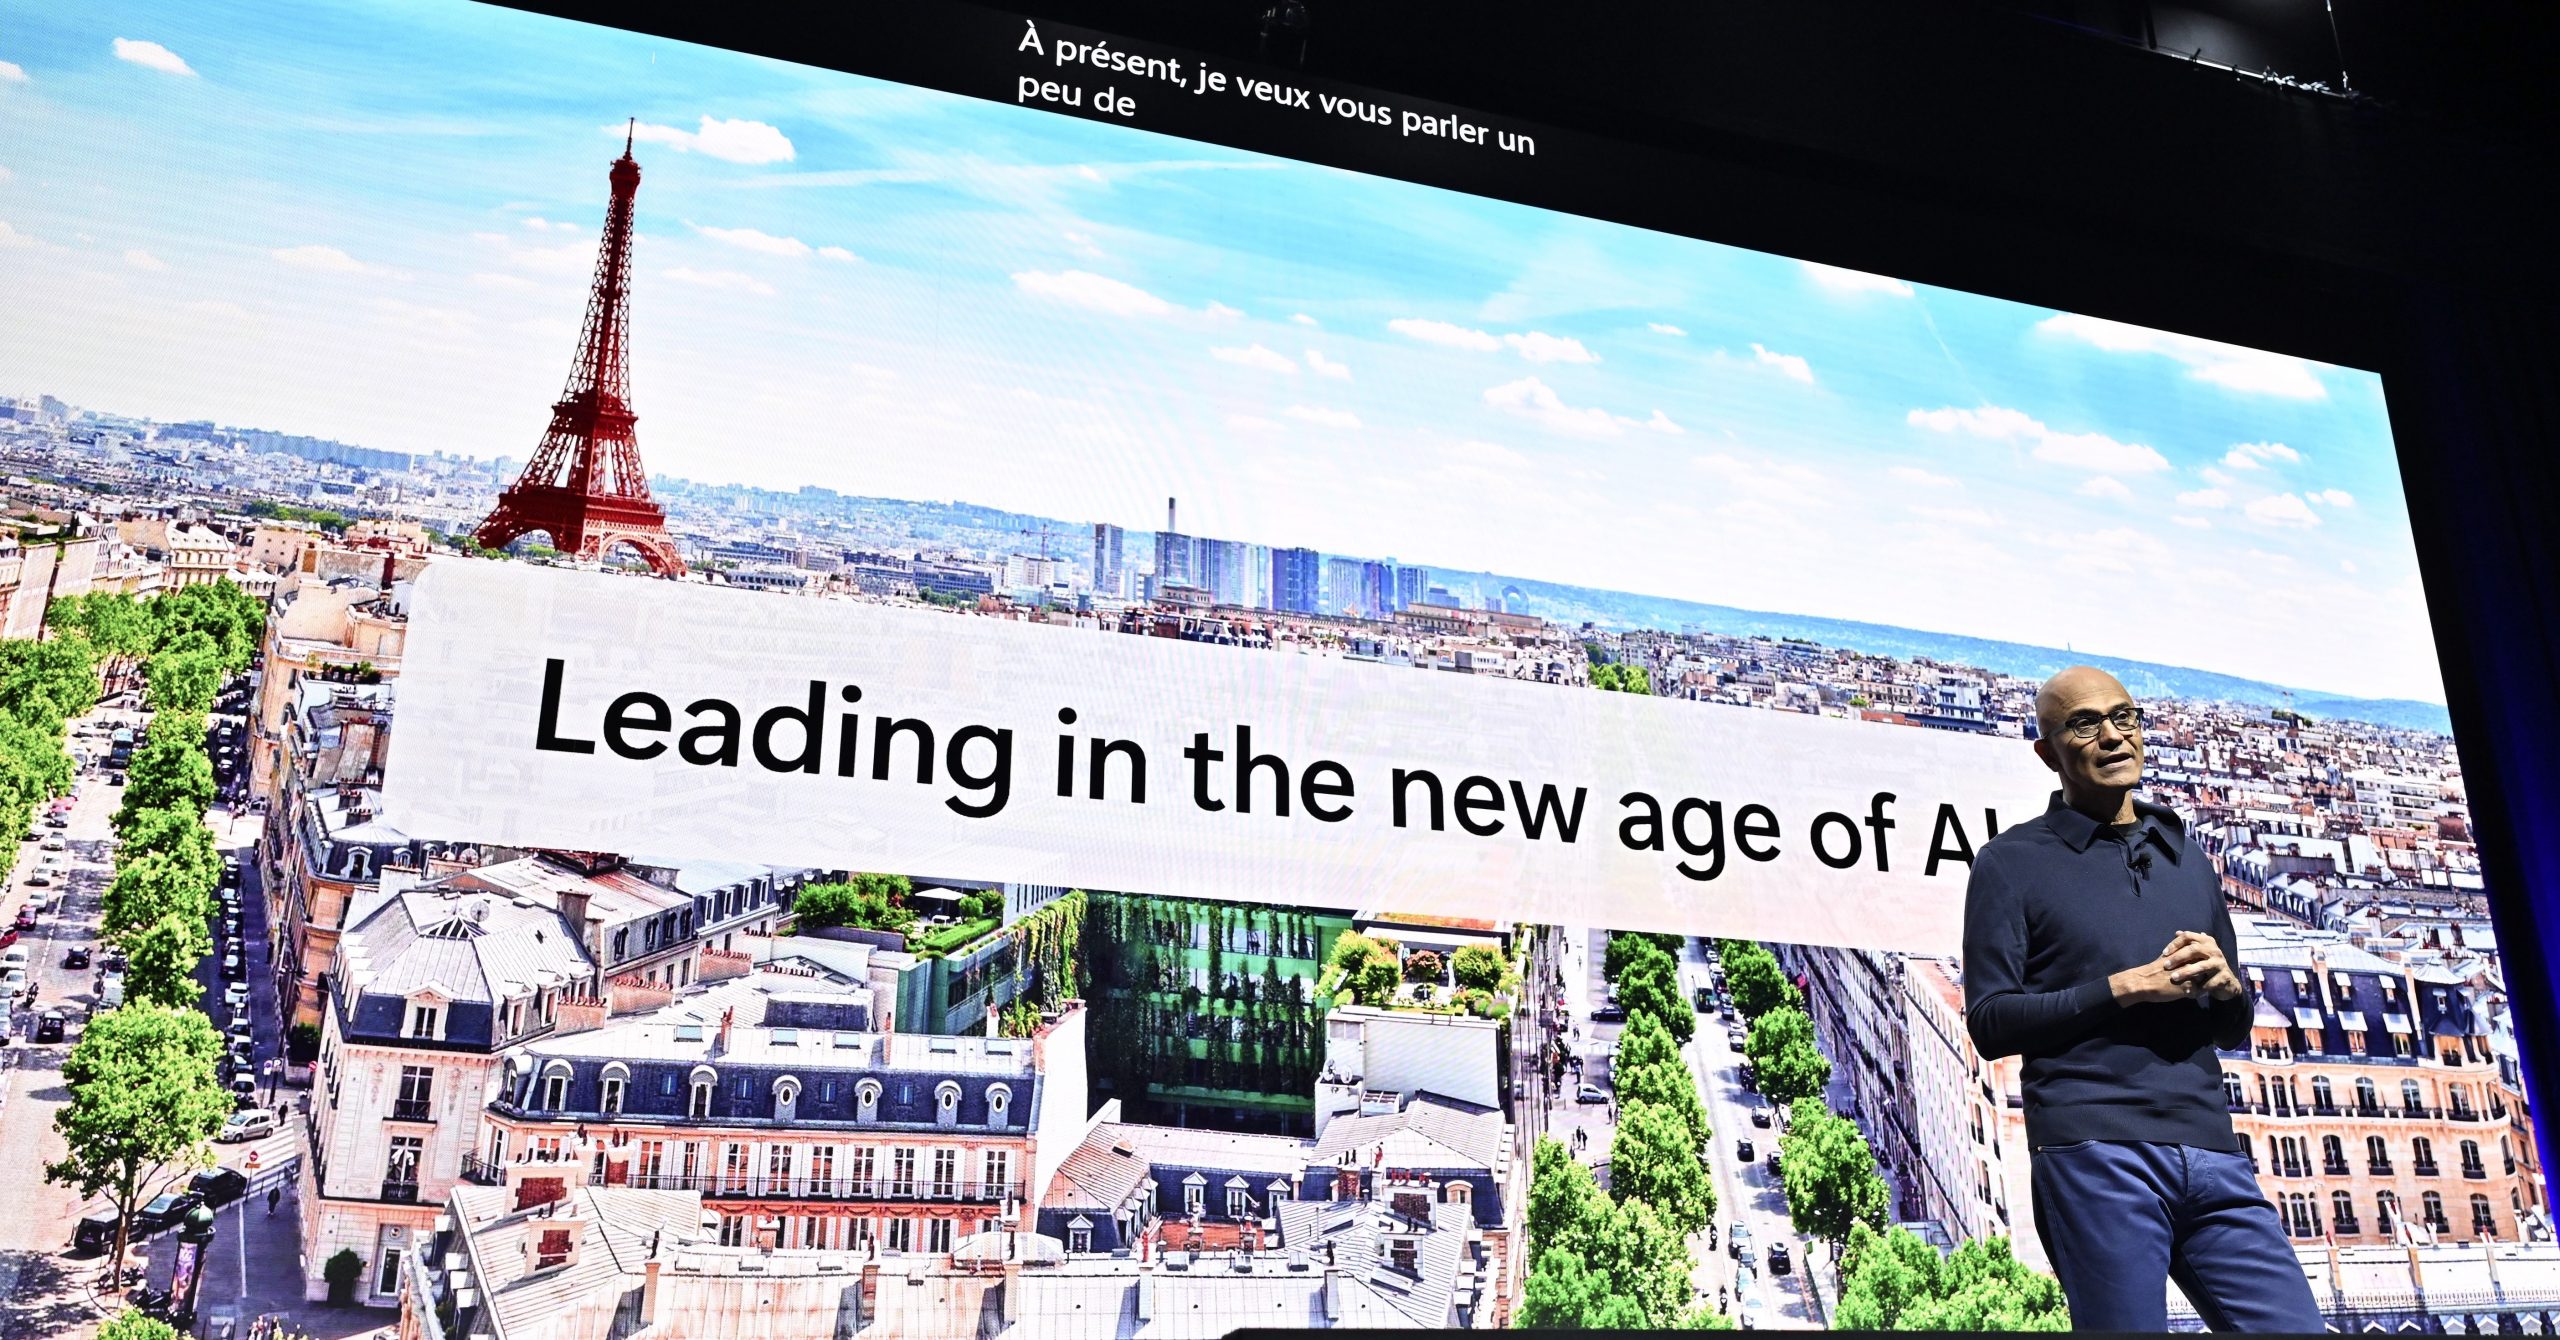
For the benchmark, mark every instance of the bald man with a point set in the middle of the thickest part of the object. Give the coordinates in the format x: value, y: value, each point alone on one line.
x: 2097, y: 947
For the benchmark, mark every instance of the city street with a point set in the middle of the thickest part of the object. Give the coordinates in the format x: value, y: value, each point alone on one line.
x: 43, y: 1289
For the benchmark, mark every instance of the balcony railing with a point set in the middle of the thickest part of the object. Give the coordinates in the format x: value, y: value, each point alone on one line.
x: 400, y: 1193
x: 410, y: 1109
x: 2462, y: 1114
x: 481, y: 1172
x: 718, y: 1186
x: 2334, y: 1168
x: 2423, y: 1169
x: 2346, y: 1227
x: 2475, y: 1172
x: 2378, y: 1167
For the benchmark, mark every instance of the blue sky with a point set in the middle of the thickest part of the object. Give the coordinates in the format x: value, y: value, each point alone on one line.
x: 376, y: 223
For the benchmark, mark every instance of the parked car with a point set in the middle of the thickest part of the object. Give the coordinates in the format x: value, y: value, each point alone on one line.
x: 13, y: 984
x: 115, y: 779
x: 255, y: 1124
x: 1704, y: 998
x: 53, y: 843
x: 232, y: 967
x: 56, y: 821
x: 36, y: 879
x: 14, y: 956
x: 1591, y: 1093
x: 26, y: 916
x: 51, y: 1025
x: 1780, y: 1261
x: 1760, y: 1116
x: 94, y: 1233
x: 76, y: 957
x: 236, y: 996
x: 217, y: 1187
x: 1742, y: 1150
x: 1737, y: 1243
x: 164, y: 1211
x: 1609, y: 1014
x: 244, y: 1092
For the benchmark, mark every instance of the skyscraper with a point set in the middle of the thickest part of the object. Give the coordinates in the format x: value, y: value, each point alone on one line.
x: 1412, y: 584
x: 1109, y: 565
x: 1296, y: 576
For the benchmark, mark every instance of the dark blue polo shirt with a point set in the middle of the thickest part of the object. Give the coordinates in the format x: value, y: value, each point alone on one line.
x: 2054, y: 907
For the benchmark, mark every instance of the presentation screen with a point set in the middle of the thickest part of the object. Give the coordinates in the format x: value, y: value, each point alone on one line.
x: 1105, y: 723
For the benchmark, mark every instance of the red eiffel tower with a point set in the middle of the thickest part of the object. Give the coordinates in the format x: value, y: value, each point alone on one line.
x: 584, y: 486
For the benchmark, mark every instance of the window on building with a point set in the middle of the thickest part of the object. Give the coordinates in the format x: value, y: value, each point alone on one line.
x: 937, y: 1235
x: 902, y: 1172
x: 2484, y: 1220
x: 1195, y: 1199
x: 2377, y: 1154
x: 2333, y: 1155
x: 2412, y: 1098
x: 407, y: 1151
x: 2386, y: 1212
x: 1079, y: 1238
x: 2433, y: 1205
x: 901, y: 1236
x: 2322, y: 1098
x: 700, y: 1103
x: 417, y: 1091
x: 946, y: 1173
x: 777, y: 1168
x: 734, y: 1167
x: 2422, y: 1154
x: 2471, y: 1164
x: 2342, y: 1211
x: 999, y: 1101
x: 860, y: 1171
x: 423, y: 1021
x: 733, y: 1230
x: 609, y: 1093
x: 786, y: 1098
x: 859, y: 1232
x: 1239, y: 1203
x: 555, y: 1089
x: 996, y: 1173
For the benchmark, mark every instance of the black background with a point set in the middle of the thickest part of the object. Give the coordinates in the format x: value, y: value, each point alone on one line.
x: 2054, y: 153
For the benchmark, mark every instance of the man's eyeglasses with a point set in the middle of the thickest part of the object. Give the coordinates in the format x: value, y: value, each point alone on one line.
x: 2126, y: 720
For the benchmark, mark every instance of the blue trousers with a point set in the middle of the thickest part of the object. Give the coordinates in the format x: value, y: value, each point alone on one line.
x: 2120, y: 1220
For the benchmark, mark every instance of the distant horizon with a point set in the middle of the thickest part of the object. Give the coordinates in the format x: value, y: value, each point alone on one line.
x: 888, y: 290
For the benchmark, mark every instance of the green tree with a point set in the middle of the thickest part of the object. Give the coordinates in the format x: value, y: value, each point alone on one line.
x: 1783, y: 1057
x: 166, y: 775
x: 1829, y: 1172
x: 1649, y: 1068
x: 144, y: 1103
x: 133, y: 1325
x: 1479, y: 967
x: 1625, y: 947
x: 161, y: 960
x: 1757, y: 983
x: 342, y: 1271
x: 46, y: 683
x: 182, y: 681
x: 150, y: 887
x: 1895, y: 1281
x: 1563, y: 1198
x: 870, y: 902
x: 230, y: 618
x: 175, y: 835
x: 1653, y: 1158
x: 1651, y: 985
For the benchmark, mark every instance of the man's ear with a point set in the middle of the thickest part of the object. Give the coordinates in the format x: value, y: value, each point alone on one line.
x: 2044, y: 750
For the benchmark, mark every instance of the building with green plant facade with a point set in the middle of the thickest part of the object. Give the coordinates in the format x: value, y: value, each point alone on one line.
x: 1204, y: 1013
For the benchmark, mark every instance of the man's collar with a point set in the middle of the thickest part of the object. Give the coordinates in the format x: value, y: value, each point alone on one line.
x: 2159, y: 823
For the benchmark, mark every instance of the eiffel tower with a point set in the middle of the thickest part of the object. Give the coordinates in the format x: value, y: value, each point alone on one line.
x: 584, y: 486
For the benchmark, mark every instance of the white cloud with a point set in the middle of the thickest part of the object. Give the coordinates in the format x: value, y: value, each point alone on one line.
x: 1326, y: 367
x: 729, y: 141
x: 2333, y: 497
x: 2095, y: 452
x: 1664, y: 328
x: 2347, y: 566
x: 1838, y: 280
x: 1971, y: 517
x: 1098, y: 292
x: 564, y: 259
x: 12, y: 73
x: 2107, y: 486
x: 2226, y: 365
x: 1661, y: 423
x: 1792, y: 365
x: 1083, y: 243
x: 1251, y: 423
x: 757, y: 240
x: 1323, y: 417
x: 2204, y: 498
x: 319, y: 258
x: 1222, y: 311
x: 836, y: 254
x: 1539, y: 347
x: 2252, y: 455
x: 1302, y: 318
x: 1914, y: 475
x: 719, y: 279
x: 1443, y: 333
x: 1256, y: 357
x: 143, y: 260
x: 1089, y: 173
x: 151, y: 56
x: 11, y: 237
x: 2216, y: 478
x: 1533, y: 399
x: 2192, y: 522
x: 2282, y: 509
x: 539, y: 224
